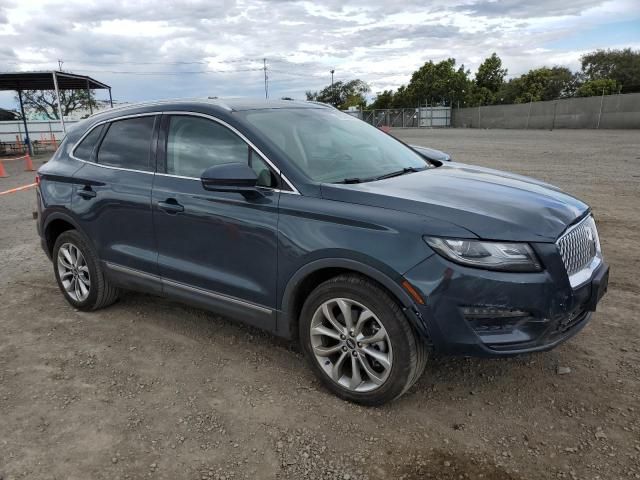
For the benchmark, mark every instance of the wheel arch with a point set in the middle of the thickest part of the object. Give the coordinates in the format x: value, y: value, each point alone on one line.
x: 57, y: 223
x: 308, y: 277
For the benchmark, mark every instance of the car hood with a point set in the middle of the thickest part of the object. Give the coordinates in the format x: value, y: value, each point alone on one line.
x: 490, y: 203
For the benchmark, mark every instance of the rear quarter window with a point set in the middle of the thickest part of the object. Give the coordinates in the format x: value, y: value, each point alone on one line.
x: 84, y: 150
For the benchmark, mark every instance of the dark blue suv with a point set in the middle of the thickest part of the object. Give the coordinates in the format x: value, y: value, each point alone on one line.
x: 301, y: 220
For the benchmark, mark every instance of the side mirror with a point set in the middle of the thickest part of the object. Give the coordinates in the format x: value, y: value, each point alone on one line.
x: 229, y: 177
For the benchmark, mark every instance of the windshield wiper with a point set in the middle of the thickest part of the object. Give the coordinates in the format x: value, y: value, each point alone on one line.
x: 397, y: 173
x: 404, y: 171
x: 352, y: 180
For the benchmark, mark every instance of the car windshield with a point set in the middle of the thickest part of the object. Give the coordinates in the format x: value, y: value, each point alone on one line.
x: 333, y: 147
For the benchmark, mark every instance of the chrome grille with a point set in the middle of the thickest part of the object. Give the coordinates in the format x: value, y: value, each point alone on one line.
x: 579, y: 246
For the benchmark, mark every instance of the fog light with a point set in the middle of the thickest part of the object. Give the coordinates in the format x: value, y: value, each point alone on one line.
x: 477, y: 313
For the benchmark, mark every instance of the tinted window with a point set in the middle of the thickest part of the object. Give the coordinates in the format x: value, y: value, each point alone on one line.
x: 127, y: 144
x: 266, y: 177
x: 195, y: 144
x: 86, y: 146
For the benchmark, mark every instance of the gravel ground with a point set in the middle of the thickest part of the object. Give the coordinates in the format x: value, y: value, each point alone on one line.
x: 151, y: 389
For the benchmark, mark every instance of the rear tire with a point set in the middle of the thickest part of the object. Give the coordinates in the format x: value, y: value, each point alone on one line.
x: 359, y: 342
x: 79, y: 274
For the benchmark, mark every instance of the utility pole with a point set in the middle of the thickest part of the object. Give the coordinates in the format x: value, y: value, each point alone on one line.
x: 266, y: 85
x: 333, y: 93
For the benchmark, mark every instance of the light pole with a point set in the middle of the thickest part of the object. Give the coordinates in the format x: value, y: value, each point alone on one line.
x: 333, y: 93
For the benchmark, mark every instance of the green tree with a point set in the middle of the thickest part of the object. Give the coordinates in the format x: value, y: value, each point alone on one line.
x: 342, y: 95
x: 592, y: 88
x: 383, y: 99
x: 44, y: 102
x: 401, y: 99
x: 561, y: 83
x: 491, y: 75
x: 509, y: 91
x: 622, y: 66
x: 438, y: 83
x: 479, y: 96
x: 539, y: 84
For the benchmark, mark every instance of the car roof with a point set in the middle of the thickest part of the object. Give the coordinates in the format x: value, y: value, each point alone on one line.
x: 228, y: 104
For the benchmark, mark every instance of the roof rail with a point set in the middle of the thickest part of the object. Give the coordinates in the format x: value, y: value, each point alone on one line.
x: 322, y: 104
x: 152, y: 103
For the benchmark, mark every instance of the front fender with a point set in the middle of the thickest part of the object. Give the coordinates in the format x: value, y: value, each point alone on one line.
x: 286, y: 325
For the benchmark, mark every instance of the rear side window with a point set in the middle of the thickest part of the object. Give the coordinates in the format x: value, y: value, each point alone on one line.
x: 85, y: 149
x: 127, y: 144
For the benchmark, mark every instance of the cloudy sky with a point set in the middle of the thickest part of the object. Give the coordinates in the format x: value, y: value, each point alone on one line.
x: 162, y: 49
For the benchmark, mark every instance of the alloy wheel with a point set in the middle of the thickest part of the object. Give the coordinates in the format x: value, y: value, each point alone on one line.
x: 351, y: 345
x: 74, y: 272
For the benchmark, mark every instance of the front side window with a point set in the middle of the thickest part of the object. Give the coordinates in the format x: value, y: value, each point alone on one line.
x: 330, y: 146
x: 266, y: 177
x: 127, y: 144
x: 84, y: 150
x: 195, y: 144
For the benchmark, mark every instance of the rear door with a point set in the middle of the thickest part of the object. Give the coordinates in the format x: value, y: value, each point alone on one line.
x: 112, y: 195
x: 219, y: 247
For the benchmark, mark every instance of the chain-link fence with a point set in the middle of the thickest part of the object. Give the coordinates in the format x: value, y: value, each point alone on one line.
x: 608, y: 111
x: 426, y: 117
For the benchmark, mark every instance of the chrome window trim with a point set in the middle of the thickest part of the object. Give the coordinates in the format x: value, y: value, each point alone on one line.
x: 114, y: 168
x: 277, y: 190
x: 113, y: 119
x: 293, y: 190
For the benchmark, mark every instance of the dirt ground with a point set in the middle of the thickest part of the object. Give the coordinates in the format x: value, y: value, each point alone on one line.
x: 151, y: 389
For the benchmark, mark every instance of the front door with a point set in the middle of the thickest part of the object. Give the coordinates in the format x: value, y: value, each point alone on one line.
x: 218, y: 248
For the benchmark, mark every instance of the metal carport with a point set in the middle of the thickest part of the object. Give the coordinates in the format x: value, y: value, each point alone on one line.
x: 54, y: 80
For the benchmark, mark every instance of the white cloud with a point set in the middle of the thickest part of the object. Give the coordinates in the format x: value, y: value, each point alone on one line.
x: 379, y: 41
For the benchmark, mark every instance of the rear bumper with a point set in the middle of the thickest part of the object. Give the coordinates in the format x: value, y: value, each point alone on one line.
x: 546, y: 310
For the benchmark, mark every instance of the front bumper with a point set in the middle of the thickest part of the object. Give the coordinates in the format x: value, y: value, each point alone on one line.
x: 549, y: 310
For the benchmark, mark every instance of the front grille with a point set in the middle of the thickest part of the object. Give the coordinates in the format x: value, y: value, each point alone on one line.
x: 578, y: 246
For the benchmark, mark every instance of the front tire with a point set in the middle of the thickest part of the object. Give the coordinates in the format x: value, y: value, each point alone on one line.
x: 79, y: 275
x: 359, y: 342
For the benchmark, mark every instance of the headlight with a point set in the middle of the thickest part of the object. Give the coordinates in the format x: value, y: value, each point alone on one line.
x: 509, y: 257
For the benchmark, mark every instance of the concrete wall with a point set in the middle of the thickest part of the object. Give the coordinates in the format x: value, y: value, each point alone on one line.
x: 610, y: 111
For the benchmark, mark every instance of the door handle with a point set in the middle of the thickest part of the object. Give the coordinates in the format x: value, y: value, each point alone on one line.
x: 171, y: 206
x: 87, y: 192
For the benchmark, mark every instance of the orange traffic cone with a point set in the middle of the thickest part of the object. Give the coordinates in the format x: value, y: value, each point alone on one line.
x: 3, y: 172
x: 28, y: 164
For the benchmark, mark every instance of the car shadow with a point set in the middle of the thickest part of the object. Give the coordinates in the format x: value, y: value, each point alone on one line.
x: 444, y: 376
